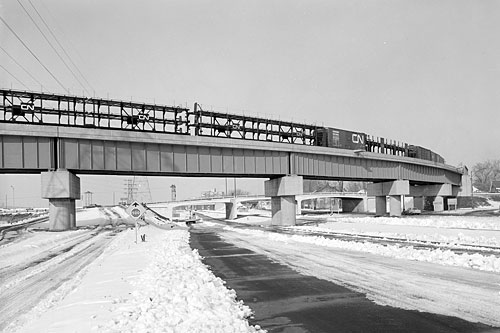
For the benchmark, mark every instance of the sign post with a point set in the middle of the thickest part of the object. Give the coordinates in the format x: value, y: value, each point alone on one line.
x: 136, y: 210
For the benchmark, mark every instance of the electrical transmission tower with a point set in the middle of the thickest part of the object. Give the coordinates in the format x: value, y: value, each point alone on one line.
x: 130, y: 192
x: 142, y: 191
x: 173, y: 192
x: 136, y: 189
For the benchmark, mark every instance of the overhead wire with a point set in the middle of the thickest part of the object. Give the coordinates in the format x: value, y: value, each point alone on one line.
x: 61, y: 30
x: 22, y: 67
x: 60, y: 45
x: 52, y: 46
x: 32, y: 53
x: 5, y: 69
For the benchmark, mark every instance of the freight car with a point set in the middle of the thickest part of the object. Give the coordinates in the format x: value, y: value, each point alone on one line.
x: 337, y: 138
x: 344, y: 139
x: 424, y: 154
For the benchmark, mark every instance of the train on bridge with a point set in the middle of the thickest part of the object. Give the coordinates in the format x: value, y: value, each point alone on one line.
x: 65, y: 110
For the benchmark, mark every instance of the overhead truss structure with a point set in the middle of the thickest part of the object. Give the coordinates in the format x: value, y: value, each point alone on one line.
x: 218, y: 124
x: 63, y: 110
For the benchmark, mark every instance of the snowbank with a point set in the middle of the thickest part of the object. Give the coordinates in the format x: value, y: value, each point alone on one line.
x: 461, y: 222
x: 177, y: 293
x: 446, y: 237
x: 438, y: 256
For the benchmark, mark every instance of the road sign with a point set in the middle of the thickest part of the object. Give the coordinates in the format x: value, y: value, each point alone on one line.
x: 136, y: 210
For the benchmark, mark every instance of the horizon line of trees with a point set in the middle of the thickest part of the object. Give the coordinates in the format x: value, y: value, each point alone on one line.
x: 484, y: 174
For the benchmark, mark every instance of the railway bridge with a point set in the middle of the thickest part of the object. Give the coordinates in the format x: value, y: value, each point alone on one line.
x: 61, y: 136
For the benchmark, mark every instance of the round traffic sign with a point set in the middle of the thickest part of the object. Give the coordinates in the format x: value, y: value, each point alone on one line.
x: 135, y: 212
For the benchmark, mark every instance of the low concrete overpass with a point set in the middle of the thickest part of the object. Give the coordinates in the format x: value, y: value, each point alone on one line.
x: 352, y: 202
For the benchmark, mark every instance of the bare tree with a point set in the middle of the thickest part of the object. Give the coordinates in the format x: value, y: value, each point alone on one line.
x: 485, y: 173
x: 313, y: 186
x: 354, y: 186
x: 239, y: 192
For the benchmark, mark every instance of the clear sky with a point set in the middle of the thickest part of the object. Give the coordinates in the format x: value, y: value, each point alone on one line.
x: 426, y: 72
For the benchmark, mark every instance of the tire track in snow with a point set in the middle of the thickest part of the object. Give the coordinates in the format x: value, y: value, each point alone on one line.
x: 26, y: 290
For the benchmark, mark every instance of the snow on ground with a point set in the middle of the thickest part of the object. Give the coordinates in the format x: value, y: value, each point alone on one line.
x: 157, y: 285
x: 455, y: 291
x: 120, y: 211
x: 407, y: 229
x: 443, y: 257
x: 434, y: 221
x: 176, y: 292
x: 446, y: 230
x: 16, y: 252
x: 32, y: 217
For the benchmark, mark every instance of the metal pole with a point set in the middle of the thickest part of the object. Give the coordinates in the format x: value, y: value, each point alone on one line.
x: 234, y: 187
x: 136, y: 228
x: 13, y: 196
x: 471, y: 191
x: 226, y: 188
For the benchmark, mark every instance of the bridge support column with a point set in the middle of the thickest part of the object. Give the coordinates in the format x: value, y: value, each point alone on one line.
x: 380, y: 205
x: 62, y: 188
x: 282, y: 192
x: 299, y: 207
x: 438, y: 191
x: 394, y: 189
x: 283, y: 210
x: 395, y: 205
x: 231, y: 209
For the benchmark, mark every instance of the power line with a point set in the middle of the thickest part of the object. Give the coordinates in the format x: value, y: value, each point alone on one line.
x: 5, y: 69
x: 61, y: 30
x: 62, y: 47
x: 17, y: 63
x: 33, y: 54
x: 52, y: 46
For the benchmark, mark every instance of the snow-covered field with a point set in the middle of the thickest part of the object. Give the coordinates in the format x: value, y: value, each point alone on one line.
x: 152, y: 286
x: 476, y: 234
x: 489, y: 263
x: 449, y: 232
x: 433, y: 221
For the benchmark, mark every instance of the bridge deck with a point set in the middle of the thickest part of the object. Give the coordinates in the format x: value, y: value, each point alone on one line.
x: 35, y: 148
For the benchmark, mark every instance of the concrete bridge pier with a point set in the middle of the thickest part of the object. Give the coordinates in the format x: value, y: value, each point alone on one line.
x: 394, y: 189
x: 282, y: 192
x: 299, y: 207
x: 438, y: 191
x: 231, y: 209
x: 62, y: 188
x: 395, y: 205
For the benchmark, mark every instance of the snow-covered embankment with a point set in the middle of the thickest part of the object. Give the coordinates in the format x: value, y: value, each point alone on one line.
x: 177, y: 292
